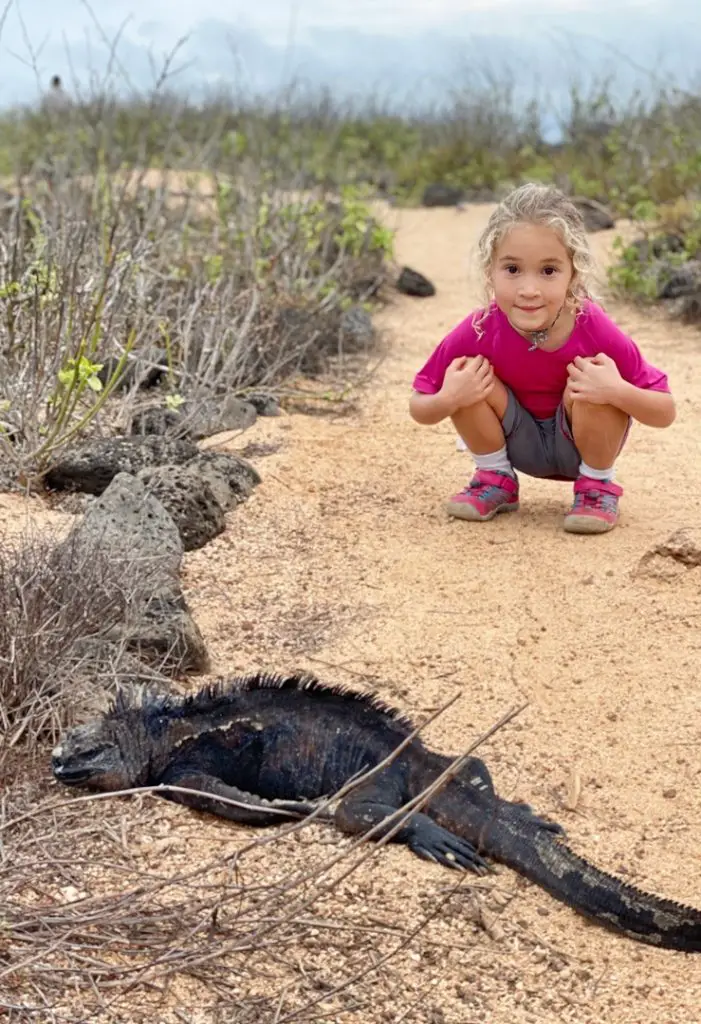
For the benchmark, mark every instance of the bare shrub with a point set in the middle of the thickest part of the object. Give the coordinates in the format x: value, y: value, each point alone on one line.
x: 61, y: 611
x: 109, y: 275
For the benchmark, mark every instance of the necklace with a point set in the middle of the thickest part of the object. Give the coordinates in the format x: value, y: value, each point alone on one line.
x: 539, y: 338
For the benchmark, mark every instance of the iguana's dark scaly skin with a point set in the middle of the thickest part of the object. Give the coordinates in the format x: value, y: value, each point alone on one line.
x: 277, y: 744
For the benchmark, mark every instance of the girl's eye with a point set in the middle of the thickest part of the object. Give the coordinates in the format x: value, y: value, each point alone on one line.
x: 549, y: 271
x: 511, y: 269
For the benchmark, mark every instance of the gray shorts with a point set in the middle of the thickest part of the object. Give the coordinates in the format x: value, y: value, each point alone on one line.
x: 543, y: 448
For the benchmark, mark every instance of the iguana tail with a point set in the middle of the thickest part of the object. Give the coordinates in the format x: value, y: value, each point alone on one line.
x: 523, y: 844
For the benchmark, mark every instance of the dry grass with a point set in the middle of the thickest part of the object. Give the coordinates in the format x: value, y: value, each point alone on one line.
x: 62, y: 606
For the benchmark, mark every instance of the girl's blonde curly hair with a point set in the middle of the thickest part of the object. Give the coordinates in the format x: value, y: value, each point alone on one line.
x: 546, y: 206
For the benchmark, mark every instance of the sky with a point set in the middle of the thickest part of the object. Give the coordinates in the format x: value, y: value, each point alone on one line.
x: 404, y: 47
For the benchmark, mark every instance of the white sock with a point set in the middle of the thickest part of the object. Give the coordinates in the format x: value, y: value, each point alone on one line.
x: 596, y: 474
x: 497, y: 462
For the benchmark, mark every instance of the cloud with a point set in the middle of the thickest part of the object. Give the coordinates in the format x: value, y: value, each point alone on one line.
x: 347, y: 43
x: 276, y: 18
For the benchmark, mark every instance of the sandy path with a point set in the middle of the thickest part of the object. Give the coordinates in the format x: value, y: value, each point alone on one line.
x: 345, y: 563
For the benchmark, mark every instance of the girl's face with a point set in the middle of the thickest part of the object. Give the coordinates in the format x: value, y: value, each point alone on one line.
x: 531, y: 274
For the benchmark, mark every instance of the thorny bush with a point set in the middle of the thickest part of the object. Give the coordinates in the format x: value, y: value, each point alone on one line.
x: 227, y: 286
x: 62, y: 606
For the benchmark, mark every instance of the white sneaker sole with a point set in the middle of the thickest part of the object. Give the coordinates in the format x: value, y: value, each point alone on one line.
x: 460, y: 511
x: 587, y: 524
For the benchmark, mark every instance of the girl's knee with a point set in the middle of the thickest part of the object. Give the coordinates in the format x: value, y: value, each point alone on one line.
x: 603, y: 426
x: 593, y: 414
x: 496, y: 403
x: 499, y: 398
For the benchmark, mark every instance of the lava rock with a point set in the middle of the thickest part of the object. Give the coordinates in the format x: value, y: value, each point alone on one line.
x: 92, y: 466
x: 411, y: 282
x: 438, y: 194
x: 595, y: 215
x: 189, y: 500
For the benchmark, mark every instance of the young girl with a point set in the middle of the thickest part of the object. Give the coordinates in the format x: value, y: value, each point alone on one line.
x: 540, y: 380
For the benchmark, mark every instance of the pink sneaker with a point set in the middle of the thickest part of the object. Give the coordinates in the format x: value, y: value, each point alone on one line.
x: 595, y: 506
x: 486, y: 494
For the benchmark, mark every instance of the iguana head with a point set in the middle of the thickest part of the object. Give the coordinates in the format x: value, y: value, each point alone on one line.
x: 110, y: 753
x: 89, y: 756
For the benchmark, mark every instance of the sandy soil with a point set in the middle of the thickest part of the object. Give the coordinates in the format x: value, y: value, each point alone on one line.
x: 344, y: 563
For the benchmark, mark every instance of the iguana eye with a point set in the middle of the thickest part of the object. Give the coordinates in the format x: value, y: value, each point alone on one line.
x: 89, y: 754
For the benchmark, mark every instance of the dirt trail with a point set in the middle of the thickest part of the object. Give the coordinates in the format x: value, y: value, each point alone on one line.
x: 344, y: 562
x: 345, y: 548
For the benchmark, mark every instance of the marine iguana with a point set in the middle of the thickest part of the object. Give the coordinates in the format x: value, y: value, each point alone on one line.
x: 279, y: 744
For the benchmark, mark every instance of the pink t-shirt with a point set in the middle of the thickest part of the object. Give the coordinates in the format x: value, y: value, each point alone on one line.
x: 538, y: 378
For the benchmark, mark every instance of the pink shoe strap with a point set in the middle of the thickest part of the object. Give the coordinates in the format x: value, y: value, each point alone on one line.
x: 587, y: 483
x: 487, y: 478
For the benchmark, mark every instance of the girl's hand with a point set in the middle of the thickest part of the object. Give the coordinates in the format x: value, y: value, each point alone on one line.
x: 467, y: 381
x: 594, y: 379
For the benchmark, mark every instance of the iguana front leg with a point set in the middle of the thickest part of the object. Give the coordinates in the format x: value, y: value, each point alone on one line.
x: 249, y: 809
